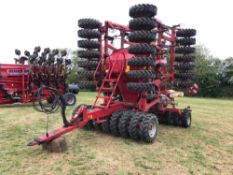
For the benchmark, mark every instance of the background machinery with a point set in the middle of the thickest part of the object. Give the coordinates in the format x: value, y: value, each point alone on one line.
x: 20, y: 81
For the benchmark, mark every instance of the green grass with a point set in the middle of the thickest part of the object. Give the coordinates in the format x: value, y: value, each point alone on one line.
x: 205, y: 148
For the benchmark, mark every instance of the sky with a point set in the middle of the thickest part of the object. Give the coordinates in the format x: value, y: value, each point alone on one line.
x: 53, y: 23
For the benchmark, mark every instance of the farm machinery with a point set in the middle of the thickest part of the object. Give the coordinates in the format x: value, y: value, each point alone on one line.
x: 132, y: 81
x: 19, y: 82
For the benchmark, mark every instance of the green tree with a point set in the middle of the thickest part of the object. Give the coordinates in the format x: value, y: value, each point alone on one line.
x: 73, y: 75
x: 227, y: 72
x: 206, y: 72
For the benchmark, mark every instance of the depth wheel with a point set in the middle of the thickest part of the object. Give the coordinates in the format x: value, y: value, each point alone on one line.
x: 142, y: 36
x: 123, y: 124
x: 87, y: 85
x: 89, y: 54
x: 149, y: 128
x: 89, y: 33
x: 186, y: 118
x: 186, y: 58
x: 184, y: 84
x: 134, y: 126
x: 141, y: 87
x: 141, y: 49
x: 137, y: 61
x: 186, y: 41
x: 184, y: 76
x: 142, y: 23
x: 114, y: 122
x: 185, y: 50
x: 87, y: 74
x: 70, y: 98
x: 141, y: 74
x: 89, y: 125
x: 88, y: 44
x: 88, y: 23
x: 88, y: 64
x: 105, y: 126
x: 186, y: 33
x: 140, y: 10
x: 185, y: 66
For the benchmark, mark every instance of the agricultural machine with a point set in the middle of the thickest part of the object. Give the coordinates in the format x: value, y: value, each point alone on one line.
x: 19, y: 82
x: 132, y: 81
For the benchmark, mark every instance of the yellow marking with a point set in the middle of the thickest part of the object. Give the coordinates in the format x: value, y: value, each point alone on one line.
x: 89, y: 116
x: 127, y: 69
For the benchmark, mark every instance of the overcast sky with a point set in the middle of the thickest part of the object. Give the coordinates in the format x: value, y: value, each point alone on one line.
x: 53, y: 23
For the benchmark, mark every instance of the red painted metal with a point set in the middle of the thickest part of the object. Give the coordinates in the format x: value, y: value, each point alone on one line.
x: 113, y: 89
x: 18, y: 82
x: 14, y: 81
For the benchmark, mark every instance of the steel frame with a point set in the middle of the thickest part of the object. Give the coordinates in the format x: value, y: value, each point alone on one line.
x: 116, y: 64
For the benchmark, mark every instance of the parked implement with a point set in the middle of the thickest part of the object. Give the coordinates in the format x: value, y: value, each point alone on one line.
x: 132, y: 80
x: 20, y: 81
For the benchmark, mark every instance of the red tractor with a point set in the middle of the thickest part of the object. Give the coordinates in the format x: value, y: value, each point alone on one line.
x: 134, y: 79
x: 19, y: 82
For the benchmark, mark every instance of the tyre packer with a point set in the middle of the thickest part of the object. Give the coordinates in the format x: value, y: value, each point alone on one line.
x: 132, y: 81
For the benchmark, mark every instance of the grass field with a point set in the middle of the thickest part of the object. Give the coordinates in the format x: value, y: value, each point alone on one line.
x: 205, y: 148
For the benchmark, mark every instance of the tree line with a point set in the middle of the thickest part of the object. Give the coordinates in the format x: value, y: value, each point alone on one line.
x: 214, y: 76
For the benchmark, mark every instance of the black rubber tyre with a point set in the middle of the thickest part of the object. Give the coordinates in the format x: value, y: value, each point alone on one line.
x: 89, y: 125
x: 186, y: 41
x: 89, y: 33
x: 142, y: 23
x: 141, y: 74
x: 141, y: 87
x: 88, y: 23
x: 88, y: 54
x: 185, y: 66
x: 168, y: 118
x: 146, y: 10
x: 87, y: 74
x: 142, y: 36
x: 105, y: 127
x: 184, y: 84
x: 146, y: 61
x: 149, y: 127
x: 123, y: 123
x: 186, y: 118
x: 88, y: 44
x: 114, y: 122
x: 87, y: 85
x: 138, y: 49
x: 186, y: 58
x: 184, y: 75
x: 69, y: 98
x: 186, y: 33
x: 134, y: 126
x: 185, y: 50
x: 176, y: 120
x: 97, y: 126
x: 88, y: 64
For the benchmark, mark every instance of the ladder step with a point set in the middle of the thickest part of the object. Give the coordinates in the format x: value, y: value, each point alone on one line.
x: 110, y: 80
x: 105, y: 97
x: 107, y: 88
x: 98, y: 106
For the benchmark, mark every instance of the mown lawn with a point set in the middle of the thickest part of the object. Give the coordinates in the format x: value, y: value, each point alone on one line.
x: 205, y: 148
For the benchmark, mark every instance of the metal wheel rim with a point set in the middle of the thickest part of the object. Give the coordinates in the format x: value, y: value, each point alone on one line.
x: 188, y: 120
x: 152, y: 130
x: 70, y: 100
